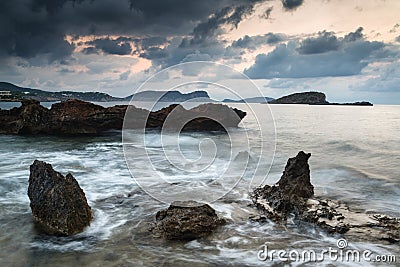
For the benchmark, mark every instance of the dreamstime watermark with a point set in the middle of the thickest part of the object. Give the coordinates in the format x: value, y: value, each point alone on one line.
x: 340, y: 253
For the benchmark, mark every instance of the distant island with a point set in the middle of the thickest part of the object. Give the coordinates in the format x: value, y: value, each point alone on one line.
x: 259, y: 99
x: 13, y: 93
x: 312, y: 98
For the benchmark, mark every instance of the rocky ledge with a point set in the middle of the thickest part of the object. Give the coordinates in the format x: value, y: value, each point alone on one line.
x: 76, y: 117
x: 293, y: 196
x: 58, y: 204
x: 186, y: 221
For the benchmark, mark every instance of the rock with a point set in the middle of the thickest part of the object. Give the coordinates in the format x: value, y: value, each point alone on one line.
x: 293, y: 195
x: 291, y: 192
x: 77, y: 117
x: 186, y: 221
x: 336, y: 217
x: 205, y: 117
x: 58, y: 204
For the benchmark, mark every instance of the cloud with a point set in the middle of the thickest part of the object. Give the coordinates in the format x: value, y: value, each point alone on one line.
x: 109, y: 46
x: 124, y: 76
x: 324, y: 55
x: 387, y: 79
x: 253, y: 42
x: 291, y: 4
x: 267, y: 13
x: 29, y: 28
x: 325, y: 42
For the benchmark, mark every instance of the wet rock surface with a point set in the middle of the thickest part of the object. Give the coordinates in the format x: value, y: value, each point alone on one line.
x: 58, y: 204
x: 293, y: 196
x: 77, y: 117
x: 291, y: 192
x: 186, y: 221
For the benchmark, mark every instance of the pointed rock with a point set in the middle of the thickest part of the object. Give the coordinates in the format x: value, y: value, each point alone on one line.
x: 58, y: 204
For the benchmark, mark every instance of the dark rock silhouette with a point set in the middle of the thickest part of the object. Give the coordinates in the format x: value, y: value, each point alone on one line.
x: 76, y: 117
x: 312, y: 98
x: 316, y: 98
x: 186, y: 221
x: 291, y: 192
x: 58, y: 204
x: 294, y: 195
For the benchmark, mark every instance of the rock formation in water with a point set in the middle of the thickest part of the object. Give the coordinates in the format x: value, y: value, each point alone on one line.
x: 316, y: 98
x: 58, y: 204
x: 293, y: 195
x: 290, y: 193
x: 74, y: 117
x: 186, y: 221
x: 312, y: 98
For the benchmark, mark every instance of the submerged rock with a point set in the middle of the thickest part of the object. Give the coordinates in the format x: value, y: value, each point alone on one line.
x: 186, y: 221
x: 293, y: 195
x: 75, y: 117
x: 58, y: 204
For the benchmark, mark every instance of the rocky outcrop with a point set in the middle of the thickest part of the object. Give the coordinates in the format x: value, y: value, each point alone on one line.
x: 74, y: 117
x: 291, y: 192
x: 312, y: 98
x: 58, y: 204
x: 293, y: 195
x: 315, y: 98
x: 186, y: 221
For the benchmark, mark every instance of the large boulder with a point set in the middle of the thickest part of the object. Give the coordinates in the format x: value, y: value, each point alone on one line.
x: 186, y: 221
x: 58, y: 204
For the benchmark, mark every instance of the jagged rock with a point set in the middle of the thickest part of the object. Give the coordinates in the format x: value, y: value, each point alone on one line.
x: 289, y: 195
x: 293, y: 195
x: 186, y: 221
x: 58, y: 204
x: 75, y: 117
x: 336, y: 217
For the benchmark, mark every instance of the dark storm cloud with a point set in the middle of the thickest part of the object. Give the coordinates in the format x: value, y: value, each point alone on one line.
x: 291, y: 4
x: 35, y: 27
x: 209, y: 29
x: 325, y: 42
x: 109, y: 46
x: 354, y: 36
x: 154, y: 53
x: 252, y: 42
x: 336, y: 57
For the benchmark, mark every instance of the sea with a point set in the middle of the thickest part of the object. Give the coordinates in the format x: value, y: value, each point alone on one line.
x: 355, y: 159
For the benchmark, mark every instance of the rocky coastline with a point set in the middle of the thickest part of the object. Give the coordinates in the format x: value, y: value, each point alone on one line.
x: 293, y: 196
x: 77, y: 117
x: 59, y: 207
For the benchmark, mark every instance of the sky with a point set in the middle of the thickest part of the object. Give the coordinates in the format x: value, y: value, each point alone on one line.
x: 348, y: 49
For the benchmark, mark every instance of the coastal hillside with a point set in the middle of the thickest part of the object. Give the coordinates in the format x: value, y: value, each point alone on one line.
x: 13, y: 92
x: 16, y: 93
x: 169, y: 96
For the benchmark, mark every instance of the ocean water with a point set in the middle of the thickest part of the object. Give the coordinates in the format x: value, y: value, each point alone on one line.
x: 355, y: 158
